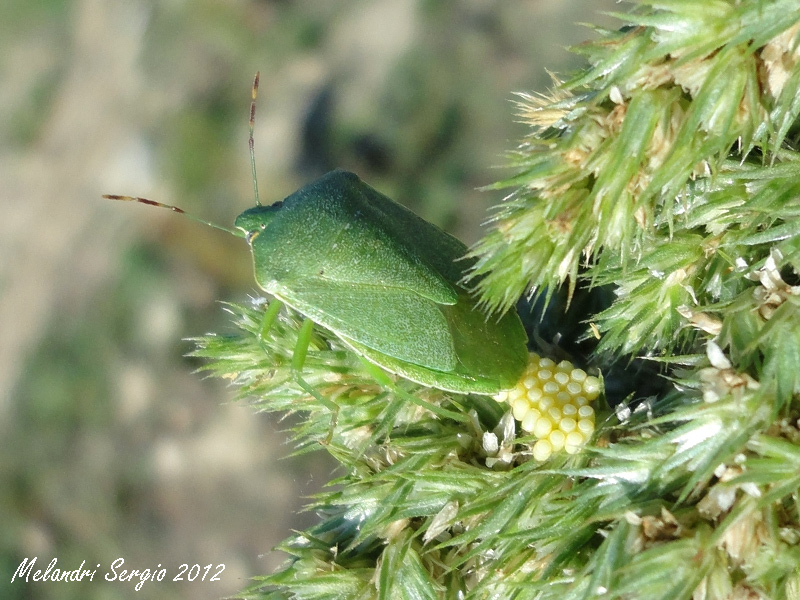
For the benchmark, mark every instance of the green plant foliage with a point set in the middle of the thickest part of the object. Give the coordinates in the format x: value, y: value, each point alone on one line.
x: 668, y: 171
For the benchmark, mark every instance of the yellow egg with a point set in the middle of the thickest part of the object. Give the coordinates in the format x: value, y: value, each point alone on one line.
x: 554, y: 413
x: 544, y: 374
x: 561, y: 378
x: 551, y: 388
x: 530, y: 381
x: 551, y: 402
x: 591, y: 386
x: 542, y: 427
x: 545, y: 402
x: 557, y: 440
x: 542, y: 450
x: 530, y: 419
x: 567, y: 425
x: 574, y: 442
x: 578, y: 375
x: 519, y: 408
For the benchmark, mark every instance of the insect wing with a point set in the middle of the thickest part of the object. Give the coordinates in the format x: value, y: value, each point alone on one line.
x: 438, y: 249
x: 488, y: 347
x: 485, y: 365
x: 390, y: 320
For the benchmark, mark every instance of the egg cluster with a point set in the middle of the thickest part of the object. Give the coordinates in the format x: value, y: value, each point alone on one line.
x: 551, y: 401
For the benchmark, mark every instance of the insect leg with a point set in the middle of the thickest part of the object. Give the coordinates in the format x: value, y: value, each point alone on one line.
x: 298, y: 358
x: 301, y: 348
x: 269, y: 317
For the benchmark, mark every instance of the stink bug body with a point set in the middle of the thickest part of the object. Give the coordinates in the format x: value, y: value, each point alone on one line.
x: 382, y: 279
x: 385, y: 281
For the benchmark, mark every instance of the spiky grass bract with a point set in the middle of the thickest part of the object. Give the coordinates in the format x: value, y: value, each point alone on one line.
x: 668, y: 169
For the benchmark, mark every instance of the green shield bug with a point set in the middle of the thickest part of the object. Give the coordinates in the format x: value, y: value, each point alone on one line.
x: 382, y: 279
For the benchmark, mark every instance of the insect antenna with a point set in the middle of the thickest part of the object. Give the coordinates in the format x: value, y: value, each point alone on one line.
x: 251, y: 142
x: 176, y: 209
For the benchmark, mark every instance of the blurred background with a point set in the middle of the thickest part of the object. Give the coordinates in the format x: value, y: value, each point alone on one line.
x: 110, y: 445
